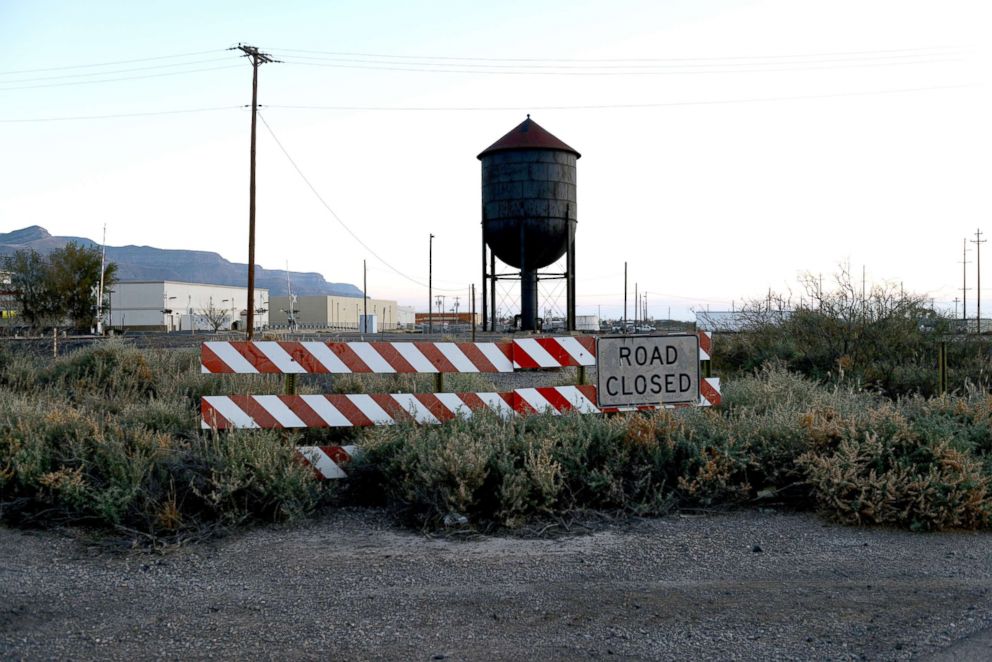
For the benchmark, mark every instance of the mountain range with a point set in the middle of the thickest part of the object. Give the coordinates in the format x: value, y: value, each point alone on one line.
x: 149, y: 263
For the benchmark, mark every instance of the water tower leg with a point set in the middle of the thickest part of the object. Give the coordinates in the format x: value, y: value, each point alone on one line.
x: 570, y: 279
x: 485, y: 307
x: 528, y: 300
x: 492, y: 291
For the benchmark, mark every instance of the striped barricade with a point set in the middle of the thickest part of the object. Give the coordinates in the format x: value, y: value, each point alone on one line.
x: 705, y: 345
x: 223, y: 412
x: 219, y: 412
x: 316, y: 357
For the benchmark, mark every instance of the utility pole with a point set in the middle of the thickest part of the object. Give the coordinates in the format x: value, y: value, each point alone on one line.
x: 956, y: 299
x: 365, y: 298
x: 964, y: 282
x: 978, y: 241
x: 624, y: 298
x: 99, y: 294
x: 257, y: 58
x: 430, y: 285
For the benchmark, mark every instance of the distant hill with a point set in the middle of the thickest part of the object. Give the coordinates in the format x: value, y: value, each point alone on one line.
x: 148, y: 263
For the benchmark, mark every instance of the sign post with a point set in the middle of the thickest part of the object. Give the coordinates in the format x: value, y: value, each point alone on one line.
x: 647, y: 370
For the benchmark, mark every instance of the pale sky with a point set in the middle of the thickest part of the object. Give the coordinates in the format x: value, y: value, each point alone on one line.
x: 727, y: 147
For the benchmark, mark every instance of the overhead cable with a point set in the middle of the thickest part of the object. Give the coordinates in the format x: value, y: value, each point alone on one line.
x: 337, y: 218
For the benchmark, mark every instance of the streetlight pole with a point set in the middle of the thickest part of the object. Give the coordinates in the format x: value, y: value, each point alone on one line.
x: 430, y: 273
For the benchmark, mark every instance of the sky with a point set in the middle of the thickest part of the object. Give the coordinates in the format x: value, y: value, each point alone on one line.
x: 728, y: 147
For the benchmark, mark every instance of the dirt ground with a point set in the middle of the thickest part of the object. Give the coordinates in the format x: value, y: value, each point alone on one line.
x: 353, y: 586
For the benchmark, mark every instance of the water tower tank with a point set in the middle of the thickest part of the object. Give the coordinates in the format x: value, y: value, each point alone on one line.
x: 529, y: 205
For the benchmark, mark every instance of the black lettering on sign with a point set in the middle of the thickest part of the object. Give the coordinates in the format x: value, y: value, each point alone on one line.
x: 673, y: 354
x: 611, y: 388
x: 684, y: 382
x: 624, y: 355
x: 656, y: 386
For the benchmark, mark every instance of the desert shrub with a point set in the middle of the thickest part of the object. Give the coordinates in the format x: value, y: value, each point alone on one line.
x: 508, y: 472
x: 142, y: 471
x: 892, y: 478
x: 109, y: 369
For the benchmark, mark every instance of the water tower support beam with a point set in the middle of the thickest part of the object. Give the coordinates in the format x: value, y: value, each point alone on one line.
x: 492, y: 291
x: 485, y: 280
x: 570, y: 278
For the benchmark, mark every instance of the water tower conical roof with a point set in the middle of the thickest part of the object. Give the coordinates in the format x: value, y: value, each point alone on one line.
x: 528, y: 135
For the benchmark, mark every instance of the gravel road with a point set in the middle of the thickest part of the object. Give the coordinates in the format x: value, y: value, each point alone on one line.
x: 353, y: 586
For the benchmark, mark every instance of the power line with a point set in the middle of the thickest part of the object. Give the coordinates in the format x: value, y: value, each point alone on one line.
x: 670, y: 72
x: 337, y: 218
x: 111, y: 63
x: 114, y: 80
x: 905, y: 52
x: 112, y: 72
x: 913, y: 58
x: 119, y: 115
x: 614, y: 106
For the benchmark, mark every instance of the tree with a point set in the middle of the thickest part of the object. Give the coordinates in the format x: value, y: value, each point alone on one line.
x: 31, y: 282
x: 215, y: 317
x: 60, y: 286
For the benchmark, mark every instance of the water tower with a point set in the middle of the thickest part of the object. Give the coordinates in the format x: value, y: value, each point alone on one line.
x: 528, y: 217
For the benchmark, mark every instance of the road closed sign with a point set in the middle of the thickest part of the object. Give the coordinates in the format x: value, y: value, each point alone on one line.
x: 647, y: 370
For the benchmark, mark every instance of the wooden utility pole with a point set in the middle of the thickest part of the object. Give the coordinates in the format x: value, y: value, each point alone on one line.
x: 256, y: 58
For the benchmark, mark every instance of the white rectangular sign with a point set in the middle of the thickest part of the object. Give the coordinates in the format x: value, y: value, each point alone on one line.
x: 647, y: 370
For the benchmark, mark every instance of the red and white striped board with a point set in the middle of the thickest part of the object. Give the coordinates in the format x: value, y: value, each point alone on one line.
x: 705, y: 345
x: 273, y: 357
x: 222, y: 412
x: 327, y: 461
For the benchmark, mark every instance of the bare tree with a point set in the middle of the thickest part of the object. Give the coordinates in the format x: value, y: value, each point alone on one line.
x: 215, y: 317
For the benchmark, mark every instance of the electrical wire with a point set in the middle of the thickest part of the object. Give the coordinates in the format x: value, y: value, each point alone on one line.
x: 114, y: 71
x: 913, y: 58
x: 111, y: 63
x: 119, y: 115
x: 613, y: 106
x: 778, y: 68
x: 113, y: 80
x: 337, y: 218
x: 878, y: 52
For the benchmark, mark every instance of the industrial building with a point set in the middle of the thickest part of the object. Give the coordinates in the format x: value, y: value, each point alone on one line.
x: 176, y: 306
x: 446, y: 318
x: 334, y: 312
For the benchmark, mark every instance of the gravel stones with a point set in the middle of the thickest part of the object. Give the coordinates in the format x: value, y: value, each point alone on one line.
x: 352, y: 585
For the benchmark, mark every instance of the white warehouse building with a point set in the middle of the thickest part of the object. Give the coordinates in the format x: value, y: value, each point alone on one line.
x: 176, y: 306
x: 334, y: 312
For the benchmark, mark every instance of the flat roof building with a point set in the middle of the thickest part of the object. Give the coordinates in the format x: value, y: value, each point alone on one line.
x: 177, y: 306
x: 333, y: 312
